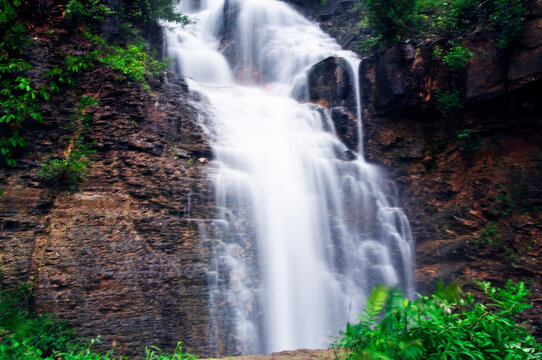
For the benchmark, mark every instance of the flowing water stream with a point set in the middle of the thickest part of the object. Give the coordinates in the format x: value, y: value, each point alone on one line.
x: 302, y: 234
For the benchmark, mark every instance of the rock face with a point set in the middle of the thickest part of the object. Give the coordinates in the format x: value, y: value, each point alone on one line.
x: 468, y: 170
x: 122, y: 257
x: 331, y: 84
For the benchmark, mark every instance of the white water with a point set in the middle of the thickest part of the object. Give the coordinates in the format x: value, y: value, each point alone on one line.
x: 301, y: 236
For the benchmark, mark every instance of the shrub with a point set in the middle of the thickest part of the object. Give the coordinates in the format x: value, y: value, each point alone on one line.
x: 25, y: 334
x: 446, y: 325
x: 90, y: 12
x: 367, y: 45
x: 70, y: 169
x: 442, y: 17
x: 448, y: 100
x: 456, y: 57
x: 489, y: 235
x: 133, y: 62
x: 18, y: 96
x: 392, y: 18
x: 507, y: 18
x: 470, y: 141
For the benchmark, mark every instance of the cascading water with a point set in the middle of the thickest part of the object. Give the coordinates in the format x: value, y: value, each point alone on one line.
x: 302, y: 234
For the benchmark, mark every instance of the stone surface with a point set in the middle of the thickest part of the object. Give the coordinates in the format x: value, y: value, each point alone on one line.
x: 331, y: 84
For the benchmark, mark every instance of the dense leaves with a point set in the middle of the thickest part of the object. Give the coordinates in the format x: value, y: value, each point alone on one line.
x: 446, y: 325
x: 389, y: 20
x: 18, y: 96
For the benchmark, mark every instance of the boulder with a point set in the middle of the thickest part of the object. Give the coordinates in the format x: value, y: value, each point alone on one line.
x: 331, y: 84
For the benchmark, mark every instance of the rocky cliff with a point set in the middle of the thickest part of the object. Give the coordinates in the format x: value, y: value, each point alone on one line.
x: 469, y: 177
x: 121, y: 257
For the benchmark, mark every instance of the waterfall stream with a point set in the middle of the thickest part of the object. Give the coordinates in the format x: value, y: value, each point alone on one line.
x: 301, y: 234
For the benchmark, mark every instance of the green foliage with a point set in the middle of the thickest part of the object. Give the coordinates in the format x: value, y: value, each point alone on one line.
x: 154, y: 353
x: 18, y: 97
x: 89, y: 12
x: 399, y: 19
x: 442, y: 17
x: 133, y: 62
x: 470, y: 141
x: 507, y: 20
x: 369, y: 44
x: 489, y: 236
x: 392, y: 18
x: 456, y: 57
x: 72, y: 167
x: 145, y: 12
x: 27, y: 335
x: 446, y: 325
x: 448, y: 100
x: 510, y: 200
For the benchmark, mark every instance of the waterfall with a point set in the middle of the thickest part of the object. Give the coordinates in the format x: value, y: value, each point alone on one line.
x: 301, y: 234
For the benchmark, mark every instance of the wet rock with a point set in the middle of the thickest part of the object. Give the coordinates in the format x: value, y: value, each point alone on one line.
x: 346, y: 127
x: 331, y: 84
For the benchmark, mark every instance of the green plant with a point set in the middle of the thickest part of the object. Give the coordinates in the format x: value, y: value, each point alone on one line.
x: 87, y: 11
x: 446, y: 325
x: 509, y: 199
x: 470, y: 141
x: 391, y: 18
x: 369, y: 44
x: 442, y: 17
x: 154, y: 353
x: 448, y: 100
x: 507, y: 19
x: 133, y: 62
x: 70, y: 169
x: 143, y: 13
x: 457, y: 57
x: 24, y: 334
x: 489, y: 236
x: 18, y: 96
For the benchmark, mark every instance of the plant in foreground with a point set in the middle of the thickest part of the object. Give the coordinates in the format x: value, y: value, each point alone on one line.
x: 26, y: 335
x: 446, y: 325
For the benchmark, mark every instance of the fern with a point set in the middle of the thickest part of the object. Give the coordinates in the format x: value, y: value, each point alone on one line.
x: 375, y: 304
x: 445, y: 325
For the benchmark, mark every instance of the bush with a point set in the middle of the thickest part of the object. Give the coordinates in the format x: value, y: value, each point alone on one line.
x: 392, y: 18
x: 70, y: 170
x: 456, y: 57
x: 446, y: 325
x: 507, y: 18
x: 489, y: 235
x: 24, y: 334
x: 448, y: 100
x: 18, y: 96
x: 90, y: 12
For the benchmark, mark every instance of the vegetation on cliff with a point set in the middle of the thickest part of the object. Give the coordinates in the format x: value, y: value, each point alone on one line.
x: 444, y: 325
x: 390, y: 20
x: 127, y: 52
